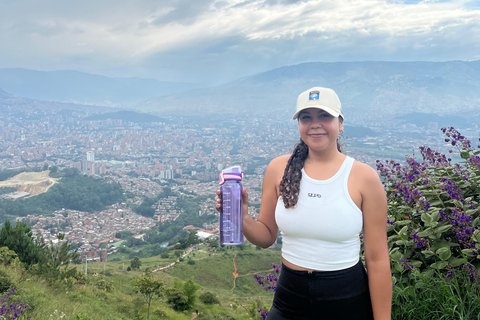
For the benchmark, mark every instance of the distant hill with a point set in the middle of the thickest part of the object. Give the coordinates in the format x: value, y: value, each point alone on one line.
x: 424, y: 119
x: 368, y: 90
x: 125, y: 115
x: 353, y: 131
x: 84, y: 88
x: 4, y: 95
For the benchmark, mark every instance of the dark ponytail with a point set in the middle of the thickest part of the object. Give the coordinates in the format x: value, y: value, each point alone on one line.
x: 290, y: 184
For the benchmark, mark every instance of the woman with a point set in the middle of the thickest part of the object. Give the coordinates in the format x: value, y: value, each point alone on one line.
x: 321, y: 200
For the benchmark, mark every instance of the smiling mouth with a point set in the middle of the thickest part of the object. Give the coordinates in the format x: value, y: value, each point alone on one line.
x: 314, y: 135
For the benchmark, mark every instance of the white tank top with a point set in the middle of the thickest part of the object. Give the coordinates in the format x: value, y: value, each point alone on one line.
x: 322, y: 231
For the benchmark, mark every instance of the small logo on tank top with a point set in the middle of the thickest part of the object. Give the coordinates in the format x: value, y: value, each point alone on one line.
x: 314, y: 195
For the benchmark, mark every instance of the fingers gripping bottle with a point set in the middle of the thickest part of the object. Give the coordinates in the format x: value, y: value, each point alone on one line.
x: 231, y: 206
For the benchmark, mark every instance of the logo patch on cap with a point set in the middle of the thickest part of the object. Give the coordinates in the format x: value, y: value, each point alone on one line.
x: 314, y: 95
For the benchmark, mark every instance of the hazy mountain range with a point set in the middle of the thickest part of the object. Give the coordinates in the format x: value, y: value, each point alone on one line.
x: 368, y: 90
x: 84, y: 88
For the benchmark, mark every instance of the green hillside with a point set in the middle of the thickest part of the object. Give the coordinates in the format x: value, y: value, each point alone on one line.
x: 109, y: 291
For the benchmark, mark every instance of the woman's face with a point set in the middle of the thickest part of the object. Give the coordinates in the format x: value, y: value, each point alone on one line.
x: 318, y: 129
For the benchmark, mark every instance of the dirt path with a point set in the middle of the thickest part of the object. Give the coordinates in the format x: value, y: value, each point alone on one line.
x: 173, y: 263
x: 235, y: 273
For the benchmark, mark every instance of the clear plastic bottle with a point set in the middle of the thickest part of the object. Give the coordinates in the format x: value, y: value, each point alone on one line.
x: 231, y: 206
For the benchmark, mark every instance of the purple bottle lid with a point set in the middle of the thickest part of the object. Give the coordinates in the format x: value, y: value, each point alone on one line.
x: 231, y: 173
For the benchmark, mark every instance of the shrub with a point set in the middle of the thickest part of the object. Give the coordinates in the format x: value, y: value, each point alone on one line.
x: 209, y: 298
x: 5, y: 282
x: 433, y: 212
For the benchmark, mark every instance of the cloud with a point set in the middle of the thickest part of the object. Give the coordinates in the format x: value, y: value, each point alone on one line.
x: 217, y: 40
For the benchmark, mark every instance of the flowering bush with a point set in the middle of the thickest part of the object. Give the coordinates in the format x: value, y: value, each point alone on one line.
x: 11, y: 311
x: 433, y: 211
x: 268, y: 282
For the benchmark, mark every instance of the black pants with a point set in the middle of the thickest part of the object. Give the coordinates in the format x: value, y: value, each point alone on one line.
x: 324, y: 295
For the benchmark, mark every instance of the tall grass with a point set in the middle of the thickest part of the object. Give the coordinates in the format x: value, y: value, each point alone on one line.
x: 437, y: 298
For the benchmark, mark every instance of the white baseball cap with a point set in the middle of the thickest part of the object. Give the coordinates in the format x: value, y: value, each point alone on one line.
x: 322, y: 98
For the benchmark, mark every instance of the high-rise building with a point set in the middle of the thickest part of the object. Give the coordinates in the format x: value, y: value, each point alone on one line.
x: 90, y: 156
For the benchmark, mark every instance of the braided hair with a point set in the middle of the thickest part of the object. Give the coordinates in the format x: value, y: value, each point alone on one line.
x: 290, y: 184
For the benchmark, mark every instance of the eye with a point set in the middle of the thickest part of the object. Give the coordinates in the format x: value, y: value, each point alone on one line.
x: 304, y: 117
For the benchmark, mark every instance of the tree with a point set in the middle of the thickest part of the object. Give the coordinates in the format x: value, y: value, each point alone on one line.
x: 190, y: 288
x: 149, y: 287
x: 56, y: 259
x: 135, y: 263
x: 183, y: 295
x: 20, y: 240
x: 178, y: 253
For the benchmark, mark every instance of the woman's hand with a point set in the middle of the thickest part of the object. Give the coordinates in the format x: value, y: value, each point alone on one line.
x: 244, y: 201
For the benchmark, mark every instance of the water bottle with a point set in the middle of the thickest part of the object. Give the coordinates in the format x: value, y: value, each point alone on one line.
x: 231, y: 204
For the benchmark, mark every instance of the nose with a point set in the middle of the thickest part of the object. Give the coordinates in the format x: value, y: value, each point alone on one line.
x: 317, y: 123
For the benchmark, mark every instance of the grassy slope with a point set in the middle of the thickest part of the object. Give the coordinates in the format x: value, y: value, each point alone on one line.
x: 213, y: 271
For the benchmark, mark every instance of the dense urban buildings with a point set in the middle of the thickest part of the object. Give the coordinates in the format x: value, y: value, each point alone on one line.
x: 182, y: 153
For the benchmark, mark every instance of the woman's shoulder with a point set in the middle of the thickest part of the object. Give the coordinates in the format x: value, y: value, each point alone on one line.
x: 279, y: 162
x: 364, y: 171
x: 276, y: 168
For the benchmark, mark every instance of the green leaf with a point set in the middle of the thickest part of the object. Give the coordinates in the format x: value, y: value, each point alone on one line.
x: 403, y: 242
x: 427, y: 218
x: 439, y: 265
x: 425, y: 233
x: 402, y: 222
x: 444, y: 253
x: 398, y: 267
x: 476, y: 236
x: 396, y: 255
x: 428, y: 253
x: 443, y: 244
x: 435, y: 215
x: 403, y: 231
x: 476, y: 222
x: 444, y: 228
x: 468, y: 253
x: 456, y: 262
x: 416, y: 263
x: 464, y: 154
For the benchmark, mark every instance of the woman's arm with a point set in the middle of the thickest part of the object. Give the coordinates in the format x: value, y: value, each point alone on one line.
x: 263, y: 232
x: 374, y: 208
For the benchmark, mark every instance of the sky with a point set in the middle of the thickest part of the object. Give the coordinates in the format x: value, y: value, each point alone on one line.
x: 216, y: 41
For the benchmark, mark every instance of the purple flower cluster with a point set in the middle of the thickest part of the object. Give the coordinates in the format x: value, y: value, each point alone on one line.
x: 451, y: 188
x: 269, y: 282
x: 462, y: 226
x: 455, y: 138
x: 472, y: 272
x: 400, y: 181
x: 419, y: 242
x: 263, y: 313
x: 475, y: 160
x: 406, y: 265
x: 434, y: 158
x: 11, y: 311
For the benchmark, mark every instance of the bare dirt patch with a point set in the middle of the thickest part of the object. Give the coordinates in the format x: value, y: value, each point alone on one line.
x: 34, y: 183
